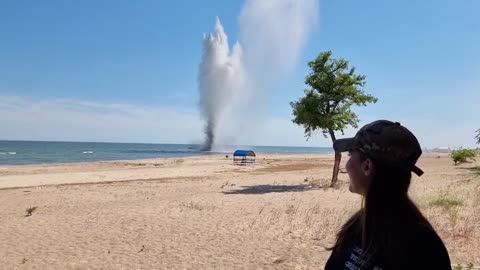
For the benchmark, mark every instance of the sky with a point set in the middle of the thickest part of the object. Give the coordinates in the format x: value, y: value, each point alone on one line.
x: 126, y: 71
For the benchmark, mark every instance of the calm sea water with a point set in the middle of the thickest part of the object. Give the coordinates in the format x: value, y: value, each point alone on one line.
x: 34, y: 152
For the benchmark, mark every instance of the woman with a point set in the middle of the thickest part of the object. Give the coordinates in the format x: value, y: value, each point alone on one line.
x: 389, y: 231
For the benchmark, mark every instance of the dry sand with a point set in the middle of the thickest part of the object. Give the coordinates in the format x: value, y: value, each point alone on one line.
x: 205, y: 213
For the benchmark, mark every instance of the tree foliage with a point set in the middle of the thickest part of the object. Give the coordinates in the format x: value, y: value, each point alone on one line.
x: 332, y: 88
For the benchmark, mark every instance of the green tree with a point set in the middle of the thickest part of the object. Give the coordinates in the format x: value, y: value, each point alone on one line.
x: 332, y: 88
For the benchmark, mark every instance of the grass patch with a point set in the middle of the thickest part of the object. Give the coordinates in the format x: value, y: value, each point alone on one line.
x: 194, y: 206
x: 469, y: 266
x: 475, y: 170
x: 445, y: 203
x: 292, y: 209
x: 227, y: 184
x: 322, y: 183
x: 29, y: 211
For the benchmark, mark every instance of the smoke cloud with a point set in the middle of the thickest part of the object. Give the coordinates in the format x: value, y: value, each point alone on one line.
x: 272, y: 36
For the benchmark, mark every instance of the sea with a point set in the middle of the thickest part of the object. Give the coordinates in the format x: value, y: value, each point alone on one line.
x: 40, y: 152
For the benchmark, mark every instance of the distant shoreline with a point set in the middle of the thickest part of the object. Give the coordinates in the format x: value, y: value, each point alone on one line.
x: 39, y: 152
x: 260, y: 156
x: 44, y: 152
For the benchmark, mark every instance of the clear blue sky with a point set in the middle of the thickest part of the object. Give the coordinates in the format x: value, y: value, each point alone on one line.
x: 421, y: 59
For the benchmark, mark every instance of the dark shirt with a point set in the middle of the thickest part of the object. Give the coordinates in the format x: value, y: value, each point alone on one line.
x: 422, y: 250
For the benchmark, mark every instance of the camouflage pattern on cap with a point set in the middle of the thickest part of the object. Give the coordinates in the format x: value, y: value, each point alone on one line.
x: 386, y: 141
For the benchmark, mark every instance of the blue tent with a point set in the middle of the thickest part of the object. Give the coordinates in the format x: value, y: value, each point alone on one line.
x: 244, y: 157
x: 244, y: 153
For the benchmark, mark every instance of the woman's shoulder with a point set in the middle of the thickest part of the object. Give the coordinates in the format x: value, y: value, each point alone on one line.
x: 427, y: 248
x: 425, y: 233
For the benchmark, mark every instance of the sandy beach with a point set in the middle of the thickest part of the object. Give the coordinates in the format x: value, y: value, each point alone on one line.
x: 206, y: 213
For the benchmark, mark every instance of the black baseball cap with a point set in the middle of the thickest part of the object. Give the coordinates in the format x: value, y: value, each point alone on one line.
x: 387, y: 141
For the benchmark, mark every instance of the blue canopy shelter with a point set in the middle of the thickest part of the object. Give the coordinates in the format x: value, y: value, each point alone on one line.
x: 243, y: 157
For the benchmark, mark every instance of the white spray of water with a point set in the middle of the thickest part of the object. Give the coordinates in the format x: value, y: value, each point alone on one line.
x: 220, y: 77
x: 272, y: 36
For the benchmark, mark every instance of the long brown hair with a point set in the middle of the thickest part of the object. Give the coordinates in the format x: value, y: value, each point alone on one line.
x: 381, y: 225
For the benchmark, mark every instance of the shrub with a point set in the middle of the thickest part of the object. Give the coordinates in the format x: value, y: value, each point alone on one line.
x: 29, y: 211
x: 463, y: 155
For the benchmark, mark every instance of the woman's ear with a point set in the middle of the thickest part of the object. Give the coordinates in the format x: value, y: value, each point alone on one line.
x: 368, y: 167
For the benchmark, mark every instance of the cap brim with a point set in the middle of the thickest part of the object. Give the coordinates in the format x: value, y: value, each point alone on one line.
x: 344, y: 145
x: 416, y: 170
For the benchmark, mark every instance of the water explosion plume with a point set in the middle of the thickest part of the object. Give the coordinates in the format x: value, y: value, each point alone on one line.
x: 272, y: 36
x: 220, y: 76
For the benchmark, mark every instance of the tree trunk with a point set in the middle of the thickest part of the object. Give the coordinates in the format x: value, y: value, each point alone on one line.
x: 338, y: 158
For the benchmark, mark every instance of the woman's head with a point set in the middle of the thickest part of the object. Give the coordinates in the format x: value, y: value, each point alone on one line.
x: 368, y: 175
x: 382, y: 158
x: 381, y: 150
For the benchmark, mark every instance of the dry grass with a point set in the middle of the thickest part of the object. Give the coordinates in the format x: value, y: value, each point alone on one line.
x: 453, y: 208
x: 446, y: 202
x: 196, y: 206
x: 468, y: 266
x: 300, y: 220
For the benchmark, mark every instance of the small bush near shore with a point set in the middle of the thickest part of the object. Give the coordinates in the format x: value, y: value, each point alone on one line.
x: 463, y: 155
